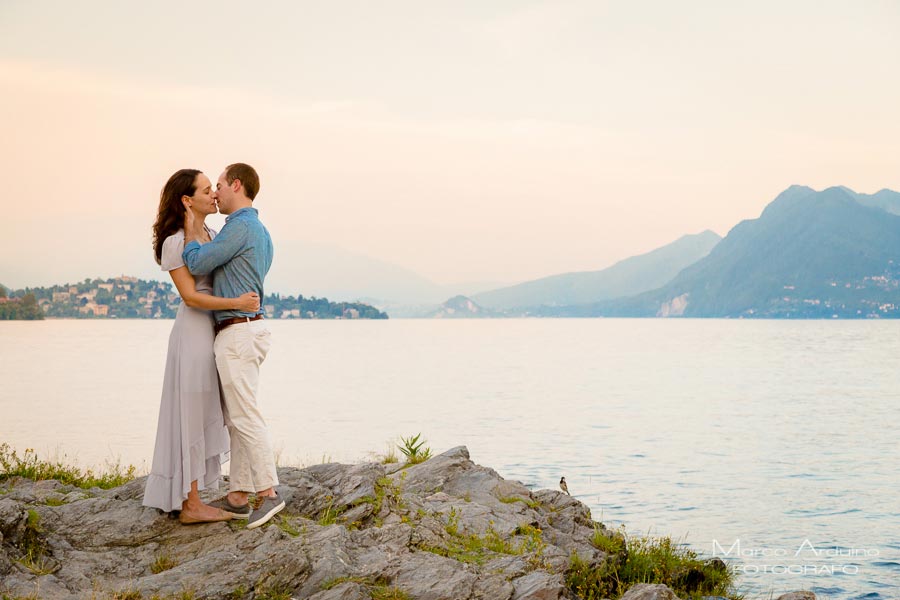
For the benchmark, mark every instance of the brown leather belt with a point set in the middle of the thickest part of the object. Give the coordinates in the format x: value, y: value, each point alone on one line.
x: 226, y: 322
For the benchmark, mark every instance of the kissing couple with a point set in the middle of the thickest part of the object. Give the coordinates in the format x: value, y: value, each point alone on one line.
x: 209, y: 402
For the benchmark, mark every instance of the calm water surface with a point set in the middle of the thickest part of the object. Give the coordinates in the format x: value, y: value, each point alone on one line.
x: 777, y: 438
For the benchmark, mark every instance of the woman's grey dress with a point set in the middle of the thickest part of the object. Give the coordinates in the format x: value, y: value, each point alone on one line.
x: 191, y: 438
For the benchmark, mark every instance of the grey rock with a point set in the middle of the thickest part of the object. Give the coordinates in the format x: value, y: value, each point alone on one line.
x: 538, y: 585
x: 409, y: 527
x: 346, y: 591
x: 11, y: 513
x: 430, y: 476
x: 510, y: 567
x: 567, y: 511
x: 492, y: 587
x: 797, y: 596
x: 427, y: 576
x: 649, y: 591
x: 347, y: 484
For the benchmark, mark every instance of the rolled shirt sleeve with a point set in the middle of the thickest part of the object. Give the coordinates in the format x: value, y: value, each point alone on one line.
x: 204, y: 259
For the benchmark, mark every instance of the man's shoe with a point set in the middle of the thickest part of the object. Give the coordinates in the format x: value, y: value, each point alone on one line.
x: 236, y: 512
x: 268, y: 508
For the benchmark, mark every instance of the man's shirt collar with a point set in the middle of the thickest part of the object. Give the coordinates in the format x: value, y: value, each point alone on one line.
x: 241, y: 211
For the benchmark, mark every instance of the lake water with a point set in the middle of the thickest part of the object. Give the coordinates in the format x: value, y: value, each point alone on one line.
x: 775, y: 438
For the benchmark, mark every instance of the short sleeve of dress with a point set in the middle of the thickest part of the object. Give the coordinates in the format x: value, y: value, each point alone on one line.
x: 171, y: 252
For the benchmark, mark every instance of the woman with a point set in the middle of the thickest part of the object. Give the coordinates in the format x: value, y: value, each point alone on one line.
x: 191, y: 437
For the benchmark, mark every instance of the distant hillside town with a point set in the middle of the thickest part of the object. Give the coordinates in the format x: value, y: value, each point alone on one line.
x: 23, y: 308
x: 127, y: 297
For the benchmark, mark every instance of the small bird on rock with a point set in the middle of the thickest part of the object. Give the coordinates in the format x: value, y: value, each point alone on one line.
x: 563, y: 486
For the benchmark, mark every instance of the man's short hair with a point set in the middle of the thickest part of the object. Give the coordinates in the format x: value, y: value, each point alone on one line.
x: 247, y: 175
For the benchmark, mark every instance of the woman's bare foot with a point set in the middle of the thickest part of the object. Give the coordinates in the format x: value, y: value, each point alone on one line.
x: 201, y: 513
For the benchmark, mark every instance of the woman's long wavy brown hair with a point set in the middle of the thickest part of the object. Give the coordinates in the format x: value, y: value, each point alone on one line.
x: 170, y: 217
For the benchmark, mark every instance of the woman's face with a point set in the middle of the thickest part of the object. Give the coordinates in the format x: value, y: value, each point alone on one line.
x: 202, y: 201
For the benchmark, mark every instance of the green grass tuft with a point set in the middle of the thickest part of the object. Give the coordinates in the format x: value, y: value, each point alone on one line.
x: 278, y: 592
x: 386, y: 491
x: 647, y: 560
x: 385, y: 592
x: 284, y: 523
x: 474, y: 548
x: 377, y: 587
x: 610, y: 545
x: 33, y: 546
x: 30, y: 466
x: 162, y: 562
x: 533, y: 504
x: 390, y: 457
x: 238, y: 593
x: 330, y: 514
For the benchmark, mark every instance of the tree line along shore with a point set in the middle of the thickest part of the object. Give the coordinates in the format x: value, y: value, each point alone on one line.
x: 126, y: 297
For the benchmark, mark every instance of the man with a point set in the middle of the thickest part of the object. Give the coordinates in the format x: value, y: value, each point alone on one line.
x: 239, y: 259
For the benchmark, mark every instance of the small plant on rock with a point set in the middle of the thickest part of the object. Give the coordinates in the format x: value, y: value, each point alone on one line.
x: 34, y: 547
x: 284, y: 524
x: 611, y: 545
x: 413, y: 451
x: 390, y: 457
x: 330, y: 514
x: 162, y: 562
x: 386, y: 592
x: 277, y: 592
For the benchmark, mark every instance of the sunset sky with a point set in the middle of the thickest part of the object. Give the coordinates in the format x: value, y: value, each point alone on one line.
x: 466, y: 141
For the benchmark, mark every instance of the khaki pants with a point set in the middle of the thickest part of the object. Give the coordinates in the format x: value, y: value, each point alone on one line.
x: 240, y: 350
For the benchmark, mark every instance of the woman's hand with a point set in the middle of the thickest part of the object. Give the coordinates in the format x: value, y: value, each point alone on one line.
x: 189, y: 223
x: 248, y: 302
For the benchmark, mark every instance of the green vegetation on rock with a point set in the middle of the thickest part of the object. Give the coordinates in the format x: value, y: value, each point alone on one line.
x: 656, y: 560
x: 31, y: 467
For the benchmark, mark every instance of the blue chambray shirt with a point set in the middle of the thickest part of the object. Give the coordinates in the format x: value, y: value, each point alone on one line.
x: 238, y: 258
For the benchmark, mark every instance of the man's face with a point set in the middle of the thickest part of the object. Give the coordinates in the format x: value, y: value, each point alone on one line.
x: 224, y: 195
x: 203, y: 200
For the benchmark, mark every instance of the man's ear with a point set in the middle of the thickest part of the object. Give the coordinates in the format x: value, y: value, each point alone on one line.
x: 236, y: 185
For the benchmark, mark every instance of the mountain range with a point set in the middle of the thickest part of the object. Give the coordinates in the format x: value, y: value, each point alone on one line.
x: 625, y: 278
x: 810, y: 254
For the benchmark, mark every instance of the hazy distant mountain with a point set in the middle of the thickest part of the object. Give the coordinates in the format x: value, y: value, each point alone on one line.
x: 625, y: 278
x: 810, y: 254
x: 338, y: 274
x: 460, y: 307
x: 888, y: 200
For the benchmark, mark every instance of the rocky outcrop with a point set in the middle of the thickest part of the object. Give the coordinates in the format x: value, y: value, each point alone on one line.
x: 445, y: 528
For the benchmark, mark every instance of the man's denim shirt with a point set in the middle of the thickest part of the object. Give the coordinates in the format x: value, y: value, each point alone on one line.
x: 238, y: 258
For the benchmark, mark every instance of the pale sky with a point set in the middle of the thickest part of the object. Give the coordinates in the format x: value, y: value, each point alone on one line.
x: 465, y: 141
